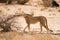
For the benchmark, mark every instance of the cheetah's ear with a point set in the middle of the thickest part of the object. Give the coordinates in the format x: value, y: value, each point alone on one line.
x: 32, y: 14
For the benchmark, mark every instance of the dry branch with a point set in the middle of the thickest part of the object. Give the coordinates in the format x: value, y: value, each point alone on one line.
x: 7, y: 26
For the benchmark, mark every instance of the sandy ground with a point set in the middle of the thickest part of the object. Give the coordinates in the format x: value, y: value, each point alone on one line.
x: 52, y: 14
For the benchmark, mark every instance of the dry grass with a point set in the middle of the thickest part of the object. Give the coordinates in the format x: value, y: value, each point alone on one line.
x: 26, y: 36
